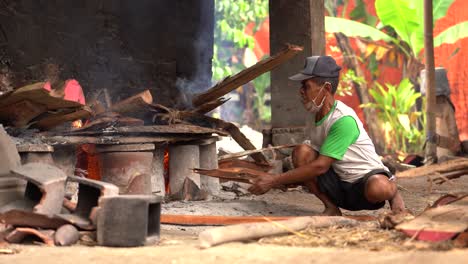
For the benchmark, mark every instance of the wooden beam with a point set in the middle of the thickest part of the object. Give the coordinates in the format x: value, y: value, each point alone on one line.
x: 205, y: 108
x: 243, y: 232
x: 232, y: 82
x: 249, y: 152
x: 443, y: 167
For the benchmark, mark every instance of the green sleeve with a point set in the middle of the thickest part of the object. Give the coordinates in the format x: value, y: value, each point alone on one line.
x: 342, y: 134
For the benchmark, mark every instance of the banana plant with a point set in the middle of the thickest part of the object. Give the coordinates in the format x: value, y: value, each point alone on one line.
x: 402, y: 125
x: 405, y: 17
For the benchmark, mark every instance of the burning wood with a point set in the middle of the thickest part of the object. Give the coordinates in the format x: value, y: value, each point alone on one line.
x: 243, y: 77
x: 134, y: 103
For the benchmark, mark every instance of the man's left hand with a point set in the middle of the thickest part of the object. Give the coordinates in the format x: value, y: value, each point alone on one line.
x: 262, y: 184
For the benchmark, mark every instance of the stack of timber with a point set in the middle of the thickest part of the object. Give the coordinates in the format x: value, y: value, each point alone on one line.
x: 34, y: 106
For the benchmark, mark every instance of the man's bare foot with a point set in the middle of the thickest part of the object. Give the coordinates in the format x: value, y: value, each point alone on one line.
x: 331, y: 211
x: 397, y: 205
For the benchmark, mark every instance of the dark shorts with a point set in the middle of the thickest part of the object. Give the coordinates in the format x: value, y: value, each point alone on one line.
x: 349, y: 196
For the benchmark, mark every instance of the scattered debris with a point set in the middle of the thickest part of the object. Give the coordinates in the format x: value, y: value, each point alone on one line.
x: 439, y: 223
x: 66, y: 235
x: 243, y: 232
x: 20, y: 233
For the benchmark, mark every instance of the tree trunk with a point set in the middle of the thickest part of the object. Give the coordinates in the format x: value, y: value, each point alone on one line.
x: 370, y: 114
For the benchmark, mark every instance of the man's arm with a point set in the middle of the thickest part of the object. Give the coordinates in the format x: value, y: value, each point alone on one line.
x: 301, y: 174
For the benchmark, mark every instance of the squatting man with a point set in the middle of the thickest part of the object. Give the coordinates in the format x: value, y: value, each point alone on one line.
x: 337, y: 162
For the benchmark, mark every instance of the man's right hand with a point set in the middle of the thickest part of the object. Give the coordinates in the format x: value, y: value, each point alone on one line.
x: 262, y: 184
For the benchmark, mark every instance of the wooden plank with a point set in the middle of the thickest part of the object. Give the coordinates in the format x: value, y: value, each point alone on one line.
x: 155, y: 129
x: 78, y: 140
x: 232, y: 82
x: 205, y: 108
x: 37, y: 94
x: 19, y: 114
x: 246, y: 175
x: 249, y: 231
x: 134, y: 103
x: 439, y: 223
x: 220, y: 220
x: 215, y: 220
x: 249, y: 152
x: 448, y: 166
x: 55, y: 119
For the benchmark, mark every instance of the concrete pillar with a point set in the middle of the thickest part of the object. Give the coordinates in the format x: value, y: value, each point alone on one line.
x: 127, y: 166
x: 209, y: 160
x: 11, y: 188
x: 184, y: 183
x: 299, y: 22
x: 157, y: 172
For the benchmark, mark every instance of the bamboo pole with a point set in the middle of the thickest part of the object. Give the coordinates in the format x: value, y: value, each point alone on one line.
x: 431, y: 147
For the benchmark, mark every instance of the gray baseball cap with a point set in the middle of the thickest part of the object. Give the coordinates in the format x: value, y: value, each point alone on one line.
x: 318, y: 66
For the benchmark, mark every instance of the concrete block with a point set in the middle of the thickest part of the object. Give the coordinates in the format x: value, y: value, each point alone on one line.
x: 11, y: 188
x: 45, y: 189
x: 90, y: 192
x: 158, y: 186
x: 129, y: 220
x: 182, y: 159
x: 209, y: 160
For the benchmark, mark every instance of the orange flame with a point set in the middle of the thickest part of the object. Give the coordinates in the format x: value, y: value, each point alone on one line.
x: 166, y: 171
x: 77, y: 123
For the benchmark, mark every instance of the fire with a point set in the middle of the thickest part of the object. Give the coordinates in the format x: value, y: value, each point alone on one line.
x: 77, y: 123
x: 166, y: 170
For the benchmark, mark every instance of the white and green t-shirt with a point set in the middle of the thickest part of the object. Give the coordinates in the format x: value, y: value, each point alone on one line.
x: 341, y: 135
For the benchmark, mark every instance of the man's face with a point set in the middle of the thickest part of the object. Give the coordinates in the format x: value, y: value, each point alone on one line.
x: 310, y: 91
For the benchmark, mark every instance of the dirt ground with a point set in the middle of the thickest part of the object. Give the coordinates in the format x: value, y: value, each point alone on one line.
x: 178, y: 244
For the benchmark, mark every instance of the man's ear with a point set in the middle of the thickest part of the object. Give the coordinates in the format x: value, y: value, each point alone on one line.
x: 328, y: 87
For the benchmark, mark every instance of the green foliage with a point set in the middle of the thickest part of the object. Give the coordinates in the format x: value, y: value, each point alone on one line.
x: 360, y: 14
x: 261, y: 84
x: 452, y: 34
x: 354, y: 29
x: 395, y: 105
x: 347, y: 81
x: 406, y: 18
x: 232, y: 17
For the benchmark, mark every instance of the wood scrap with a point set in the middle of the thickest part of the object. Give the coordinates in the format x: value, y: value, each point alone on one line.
x: 220, y: 220
x: 155, y: 129
x: 232, y: 82
x: 444, y: 177
x: 243, y: 232
x: 208, y: 107
x: 236, y: 163
x: 440, y: 223
x: 52, y: 120
x: 20, y: 233
x: 78, y: 140
x: 443, y: 167
x: 19, y: 114
x: 233, y: 174
x: 37, y: 94
x: 249, y: 152
x: 109, y: 119
x: 30, y: 219
x: 217, y: 220
x: 134, y: 103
